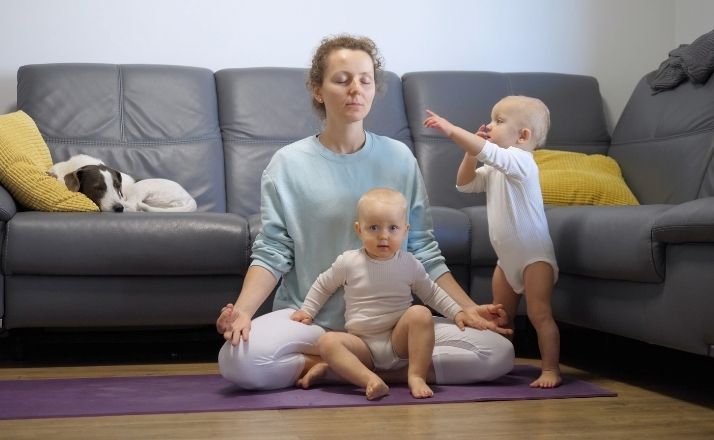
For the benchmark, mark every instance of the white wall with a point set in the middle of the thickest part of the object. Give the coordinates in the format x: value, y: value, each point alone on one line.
x: 617, y: 41
x: 692, y: 19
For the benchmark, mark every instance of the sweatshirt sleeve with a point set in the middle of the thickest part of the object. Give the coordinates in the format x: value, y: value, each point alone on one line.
x: 421, y: 242
x: 273, y: 248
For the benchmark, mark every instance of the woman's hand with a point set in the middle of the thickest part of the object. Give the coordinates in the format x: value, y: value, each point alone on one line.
x: 460, y: 320
x: 223, y: 322
x: 494, y: 312
x: 487, y: 317
x: 234, y: 324
x: 301, y: 316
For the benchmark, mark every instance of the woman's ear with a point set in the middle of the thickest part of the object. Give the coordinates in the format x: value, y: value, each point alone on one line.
x: 316, y: 94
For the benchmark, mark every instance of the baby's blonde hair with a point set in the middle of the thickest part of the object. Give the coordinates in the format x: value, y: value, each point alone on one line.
x: 535, y: 114
x: 384, y: 195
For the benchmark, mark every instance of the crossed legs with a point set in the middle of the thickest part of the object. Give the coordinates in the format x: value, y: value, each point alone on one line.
x: 349, y: 357
x: 280, y: 351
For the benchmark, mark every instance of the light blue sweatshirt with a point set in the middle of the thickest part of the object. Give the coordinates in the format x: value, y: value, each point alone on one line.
x: 309, y: 197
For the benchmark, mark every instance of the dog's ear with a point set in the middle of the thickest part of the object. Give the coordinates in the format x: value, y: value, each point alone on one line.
x: 72, y: 181
x: 116, y: 180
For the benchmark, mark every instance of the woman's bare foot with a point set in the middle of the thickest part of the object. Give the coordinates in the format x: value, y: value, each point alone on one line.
x: 419, y: 388
x: 376, y: 388
x: 547, y: 379
x: 313, y: 375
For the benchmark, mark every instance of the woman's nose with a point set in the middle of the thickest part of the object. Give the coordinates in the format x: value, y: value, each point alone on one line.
x: 355, y: 86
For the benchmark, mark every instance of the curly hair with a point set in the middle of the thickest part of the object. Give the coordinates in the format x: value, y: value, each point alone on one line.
x: 316, y: 74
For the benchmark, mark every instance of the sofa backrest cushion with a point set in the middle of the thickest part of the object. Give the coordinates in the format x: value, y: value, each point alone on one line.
x: 264, y: 109
x: 664, y: 143
x: 149, y: 121
x: 466, y: 98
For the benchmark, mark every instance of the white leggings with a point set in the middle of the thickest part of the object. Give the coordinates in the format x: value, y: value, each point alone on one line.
x: 272, y: 357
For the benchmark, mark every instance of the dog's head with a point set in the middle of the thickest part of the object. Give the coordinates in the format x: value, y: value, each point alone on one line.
x: 100, y: 183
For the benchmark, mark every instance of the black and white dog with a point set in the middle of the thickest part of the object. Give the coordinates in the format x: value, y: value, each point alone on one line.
x: 115, y: 191
x: 103, y: 185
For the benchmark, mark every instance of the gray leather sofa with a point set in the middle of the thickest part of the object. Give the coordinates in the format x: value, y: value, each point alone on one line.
x: 644, y: 272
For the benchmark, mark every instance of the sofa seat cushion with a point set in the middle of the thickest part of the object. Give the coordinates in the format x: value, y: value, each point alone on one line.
x: 571, y: 178
x: 24, y: 161
x: 610, y: 242
x: 108, y: 244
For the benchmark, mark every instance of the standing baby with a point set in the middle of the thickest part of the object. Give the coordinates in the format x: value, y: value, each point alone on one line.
x: 517, y: 225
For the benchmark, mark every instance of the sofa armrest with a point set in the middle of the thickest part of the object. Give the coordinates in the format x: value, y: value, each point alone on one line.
x: 689, y: 222
x: 8, y: 208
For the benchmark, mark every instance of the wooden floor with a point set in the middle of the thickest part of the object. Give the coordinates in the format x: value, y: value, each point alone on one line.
x: 663, y: 394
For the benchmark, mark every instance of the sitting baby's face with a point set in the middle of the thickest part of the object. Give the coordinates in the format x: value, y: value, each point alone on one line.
x: 382, y: 225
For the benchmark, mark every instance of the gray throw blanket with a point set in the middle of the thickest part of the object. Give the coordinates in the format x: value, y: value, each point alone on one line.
x: 689, y: 61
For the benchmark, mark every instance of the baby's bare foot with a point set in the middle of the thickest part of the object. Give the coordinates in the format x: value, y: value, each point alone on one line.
x: 375, y: 389
x: 547, y: 379
x: 313, y: 375
x: 419, y: 388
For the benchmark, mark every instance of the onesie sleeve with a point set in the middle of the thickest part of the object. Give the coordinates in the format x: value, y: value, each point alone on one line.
x: 510, y: 161
x: 477, y: 185
x: 325, y: 286
x: 431, y: 294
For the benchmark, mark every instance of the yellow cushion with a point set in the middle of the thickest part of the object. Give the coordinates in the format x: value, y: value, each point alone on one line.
x: 569, y: 178
x: 24, y: 161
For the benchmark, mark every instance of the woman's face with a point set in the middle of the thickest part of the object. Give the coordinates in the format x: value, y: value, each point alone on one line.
x: 348, y: 88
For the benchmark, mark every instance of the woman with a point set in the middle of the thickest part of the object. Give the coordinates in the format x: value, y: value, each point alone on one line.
x: 308, y: 194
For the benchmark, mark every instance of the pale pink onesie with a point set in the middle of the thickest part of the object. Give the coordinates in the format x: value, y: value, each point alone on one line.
x: 377, y: 293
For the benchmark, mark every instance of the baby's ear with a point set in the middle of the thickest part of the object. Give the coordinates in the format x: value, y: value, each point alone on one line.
x: 357, y: 228
x: 525, y: 135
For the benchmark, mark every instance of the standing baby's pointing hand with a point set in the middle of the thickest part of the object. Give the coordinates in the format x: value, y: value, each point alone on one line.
x: 441, y: 124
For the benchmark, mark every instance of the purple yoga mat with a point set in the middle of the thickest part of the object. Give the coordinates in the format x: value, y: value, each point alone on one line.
x: 24, y: 399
